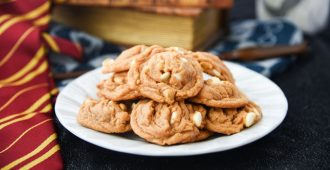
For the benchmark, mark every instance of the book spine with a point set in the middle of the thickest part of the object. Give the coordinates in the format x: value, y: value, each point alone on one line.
x: 142, y: 3
x: 179, y: 11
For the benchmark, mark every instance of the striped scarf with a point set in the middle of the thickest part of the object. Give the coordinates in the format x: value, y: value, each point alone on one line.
x: 27, y: 135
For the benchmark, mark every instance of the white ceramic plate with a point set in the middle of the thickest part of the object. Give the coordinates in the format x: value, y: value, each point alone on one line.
x: 258, y: 88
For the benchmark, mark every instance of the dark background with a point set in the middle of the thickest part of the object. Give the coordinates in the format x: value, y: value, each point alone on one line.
x: 302, y: 141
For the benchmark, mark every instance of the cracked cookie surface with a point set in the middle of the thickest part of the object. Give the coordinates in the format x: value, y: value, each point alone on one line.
x: 182, y: 96
x: 124, y: 60
x: 212, y: 65
x: 104, y: 116
x: 168, y: 124
x: 217, y: 93
x: 116, y: 88
x: 167, y: 77
x: 230, y: 121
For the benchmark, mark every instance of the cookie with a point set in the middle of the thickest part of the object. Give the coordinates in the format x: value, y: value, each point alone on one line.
x: 178, y: 50
x: 202, y: 135
x: 213, y: 66
x: 123, y: 61
x: 230, y: 121
x: 217, y: 93
x: 104, y: 116
x: 168, y: 124
x: 116, y: 88
x: 167, y: 77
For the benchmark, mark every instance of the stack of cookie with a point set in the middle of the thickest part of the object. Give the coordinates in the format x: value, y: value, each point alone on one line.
x: 168, y: 96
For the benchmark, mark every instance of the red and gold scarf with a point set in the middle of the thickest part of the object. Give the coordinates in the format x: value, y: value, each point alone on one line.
x: 27, y: 136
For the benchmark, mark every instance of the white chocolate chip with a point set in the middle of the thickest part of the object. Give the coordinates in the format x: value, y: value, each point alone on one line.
x: 122, y: 106
x: 216, y: 72
x: 177, y: 76
x: 197, y: 118
x: 206, y: 76
x: 215, y: 80
x: 256, y: 112
x: 179, y: 50
x: 133, y: 62
x: 183, y: 60
x: 249, y: 119
x: 165, y: 76
x: 173, y: 117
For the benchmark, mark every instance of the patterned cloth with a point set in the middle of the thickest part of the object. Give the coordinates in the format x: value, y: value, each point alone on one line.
x: 248, y: 33
x: 253, y: 33
x: 27, y: 135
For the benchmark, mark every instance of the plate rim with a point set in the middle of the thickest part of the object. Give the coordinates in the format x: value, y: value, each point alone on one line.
x: 191, y: 152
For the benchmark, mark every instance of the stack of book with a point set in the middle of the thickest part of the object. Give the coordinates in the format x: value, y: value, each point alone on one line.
x: 191, y: 24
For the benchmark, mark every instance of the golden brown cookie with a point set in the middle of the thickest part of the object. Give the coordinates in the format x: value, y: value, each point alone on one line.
x: 178, y: 50
x: 202, y: 135
x: 213, y: 66
x: 123, y: 61
x: 104, y: 116
x: 116, y: 88
x: 230, y: 121
x: 217, y: 93
x: 167, y: 77
x: 168, y: 124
